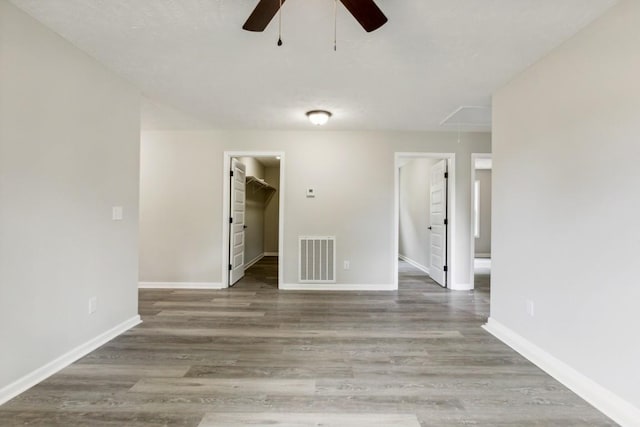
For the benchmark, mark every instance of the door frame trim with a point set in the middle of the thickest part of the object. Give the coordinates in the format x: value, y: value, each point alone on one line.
x: 451, y: 211
x: 226, y: 196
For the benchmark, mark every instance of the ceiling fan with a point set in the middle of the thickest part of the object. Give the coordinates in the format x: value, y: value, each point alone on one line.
x: 366, y: 12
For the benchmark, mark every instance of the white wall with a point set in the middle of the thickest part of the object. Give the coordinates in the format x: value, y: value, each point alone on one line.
x: 414, y: 241
x: 483, y: 243
x: 271, y: 211
x: 69, y: 147
x: 253, y: 167
x: 254, y: 221
x: 180, y: 237
x: 352, y: 172
x: 566, y: 204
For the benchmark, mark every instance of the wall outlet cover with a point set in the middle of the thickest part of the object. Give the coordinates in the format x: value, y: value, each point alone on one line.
x: 531, y: 308
x: 93, y: 305
x: 117, y: 213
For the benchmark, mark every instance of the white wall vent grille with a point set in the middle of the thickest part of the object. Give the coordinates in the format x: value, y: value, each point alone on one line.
x: 317, y: 262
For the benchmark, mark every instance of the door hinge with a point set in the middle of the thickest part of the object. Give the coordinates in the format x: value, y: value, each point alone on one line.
x: 231, y: 173
x: 230, y: 267
x: 230, y: 220
x: 446, y: 175
x: 445, y: 221
x: 445, y: 268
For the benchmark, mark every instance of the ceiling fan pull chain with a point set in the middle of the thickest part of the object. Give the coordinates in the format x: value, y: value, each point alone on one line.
x: 280, y: 25
x: 335, y: 26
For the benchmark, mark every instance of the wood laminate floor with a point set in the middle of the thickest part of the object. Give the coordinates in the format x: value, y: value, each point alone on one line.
x: 253, y: 355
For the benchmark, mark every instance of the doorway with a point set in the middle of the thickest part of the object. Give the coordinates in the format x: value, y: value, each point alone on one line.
x: 481, y: 174
x: 252, y: 214
x: 425, y: 196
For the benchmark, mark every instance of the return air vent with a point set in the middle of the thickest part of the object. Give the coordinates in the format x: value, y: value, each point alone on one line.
x: 317, y: 262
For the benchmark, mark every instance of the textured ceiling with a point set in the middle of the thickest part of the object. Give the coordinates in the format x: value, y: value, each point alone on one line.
x: 432, y: 57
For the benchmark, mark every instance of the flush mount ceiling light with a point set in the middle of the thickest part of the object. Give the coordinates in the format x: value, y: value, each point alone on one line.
x: 318, y: 117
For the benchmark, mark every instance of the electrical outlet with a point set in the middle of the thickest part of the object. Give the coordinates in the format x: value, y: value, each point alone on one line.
x: 347, y: 265
x: 93, y: 304
x: 117, y: 213
x: 531, y: 308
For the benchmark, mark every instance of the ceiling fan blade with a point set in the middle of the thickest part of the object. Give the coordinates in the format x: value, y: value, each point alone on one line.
x: 262, y: 15
x: 367, y: 13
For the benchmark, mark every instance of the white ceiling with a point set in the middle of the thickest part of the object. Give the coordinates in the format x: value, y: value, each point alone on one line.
x: 432, y: 57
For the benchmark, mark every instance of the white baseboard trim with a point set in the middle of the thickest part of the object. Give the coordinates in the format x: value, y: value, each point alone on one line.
x: 253, y: 261
x: 26, y: 382
x: 613, y: 406
x: 336, y: 287
x: 271, y: 254
x: 181, y: 285
x: 416, y: 264
x: 461, y: 287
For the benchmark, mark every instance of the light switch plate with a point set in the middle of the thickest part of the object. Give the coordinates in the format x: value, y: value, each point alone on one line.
x: 311, y: 192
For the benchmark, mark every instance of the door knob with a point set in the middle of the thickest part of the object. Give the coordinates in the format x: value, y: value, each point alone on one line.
x: 430, y: 227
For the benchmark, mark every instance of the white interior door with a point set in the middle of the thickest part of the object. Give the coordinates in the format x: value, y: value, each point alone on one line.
x: 236, y: 235
x: 438, y: 209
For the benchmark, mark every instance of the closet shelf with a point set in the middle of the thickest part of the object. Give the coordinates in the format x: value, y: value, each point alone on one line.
x: 258, y: 185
